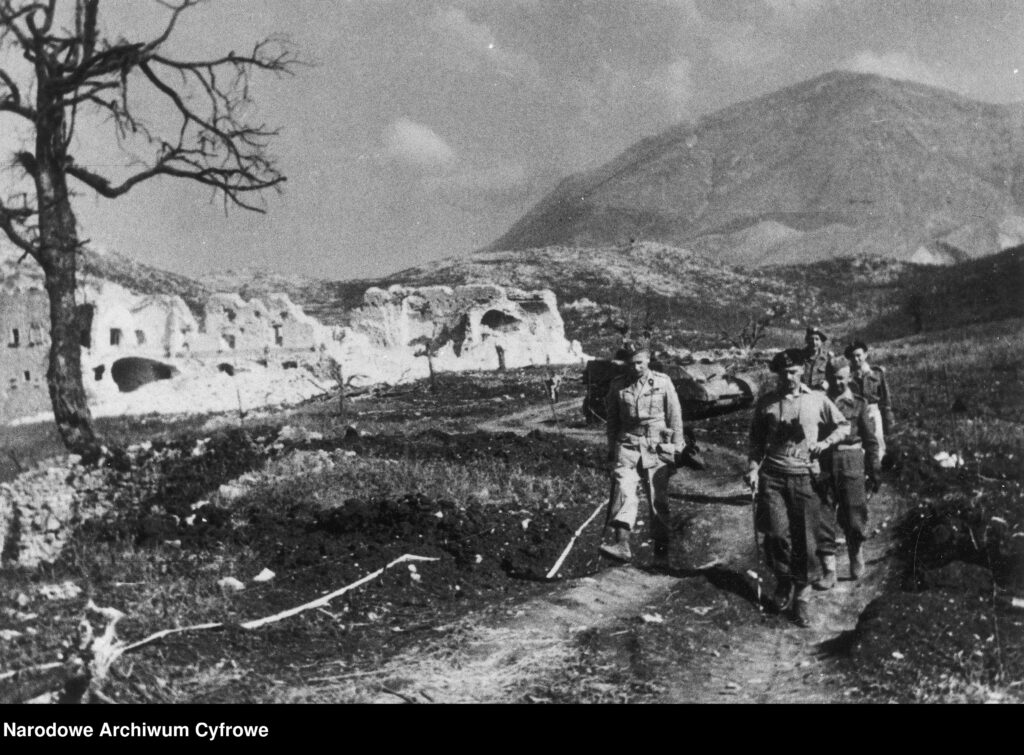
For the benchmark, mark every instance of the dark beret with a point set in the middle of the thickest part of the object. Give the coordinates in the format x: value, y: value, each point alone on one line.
x: 786, y: 359
x: 853, y: 347
x: 816, y: 331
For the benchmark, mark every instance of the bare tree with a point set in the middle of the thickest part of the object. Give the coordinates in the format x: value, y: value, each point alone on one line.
x: 753, y: 329
x: 180, y: 118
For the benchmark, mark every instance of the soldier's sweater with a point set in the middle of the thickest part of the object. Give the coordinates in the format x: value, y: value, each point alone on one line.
x: 786, y: 425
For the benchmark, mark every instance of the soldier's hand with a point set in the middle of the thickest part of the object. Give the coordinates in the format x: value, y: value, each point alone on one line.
x: 818, y: 448
x: 750, y: 478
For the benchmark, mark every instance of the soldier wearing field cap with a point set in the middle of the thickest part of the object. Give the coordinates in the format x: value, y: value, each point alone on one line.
x: 869, y: 383
x: 791, y: 427
x: 847, y: 469
x: 818, y: 369
x: 645, y: 432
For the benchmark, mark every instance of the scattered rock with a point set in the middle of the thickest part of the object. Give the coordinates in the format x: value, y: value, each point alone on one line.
x: 230, y: 583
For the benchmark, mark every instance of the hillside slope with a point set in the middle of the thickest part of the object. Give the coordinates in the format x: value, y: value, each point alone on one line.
x: 843, y: 165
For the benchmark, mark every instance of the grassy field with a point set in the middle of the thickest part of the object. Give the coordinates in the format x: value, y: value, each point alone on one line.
x: 944, y: 630
x: 343, y: 491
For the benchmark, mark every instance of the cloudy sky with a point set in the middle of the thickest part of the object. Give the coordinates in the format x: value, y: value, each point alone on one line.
x: 425, y: 129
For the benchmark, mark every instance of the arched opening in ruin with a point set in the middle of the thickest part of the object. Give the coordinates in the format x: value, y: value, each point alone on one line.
x: 499, y: 321
x: 535, y: 307
x: 134, y: 372
x: 97, y: 372
x: 227, y: 369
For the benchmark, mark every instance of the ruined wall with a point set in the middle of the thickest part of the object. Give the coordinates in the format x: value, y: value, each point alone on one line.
x: 465, y: 327
x: 25, y: 346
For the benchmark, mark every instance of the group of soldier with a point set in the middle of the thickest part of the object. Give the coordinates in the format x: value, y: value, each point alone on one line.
x: 817, y: 440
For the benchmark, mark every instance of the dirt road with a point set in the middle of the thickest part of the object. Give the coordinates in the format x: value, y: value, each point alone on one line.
x: 732, y: 651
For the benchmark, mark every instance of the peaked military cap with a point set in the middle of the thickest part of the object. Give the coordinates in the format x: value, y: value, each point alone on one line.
x: 786, y: 359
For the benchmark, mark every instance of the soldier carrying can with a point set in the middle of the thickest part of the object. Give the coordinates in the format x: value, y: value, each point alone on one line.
x: 868, y: 382
x: 847, y: 471
x: 645, y: 433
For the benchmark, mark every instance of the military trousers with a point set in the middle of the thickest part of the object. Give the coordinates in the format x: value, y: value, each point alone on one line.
x: 788, y: 513
x: 844, y: 501
x: 625, y: 501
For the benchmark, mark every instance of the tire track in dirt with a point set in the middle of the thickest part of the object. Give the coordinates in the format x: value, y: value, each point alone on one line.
x: 498, y: 657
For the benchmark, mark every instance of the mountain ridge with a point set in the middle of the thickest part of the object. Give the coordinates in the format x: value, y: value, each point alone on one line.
x: 851, y: 164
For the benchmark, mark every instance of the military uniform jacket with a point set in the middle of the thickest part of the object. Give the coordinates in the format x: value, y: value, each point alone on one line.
x: 818, y: 370
x: 862, y: 431
x: 642, y: 415
x: 871, y: 386
x: 785, y: 426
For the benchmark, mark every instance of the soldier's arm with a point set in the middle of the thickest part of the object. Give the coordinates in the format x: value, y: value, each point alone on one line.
x: 866, y: 428
x: 674, y: 415
x: 611, y: 407
x: 758, y: 439
x: 885, y: 402
x: 830, y: 371
x: 832, y: 417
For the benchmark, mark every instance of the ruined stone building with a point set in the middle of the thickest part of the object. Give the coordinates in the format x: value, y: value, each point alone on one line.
x: 129, y: 340
x: 472, y: 327
x: 25, y: 334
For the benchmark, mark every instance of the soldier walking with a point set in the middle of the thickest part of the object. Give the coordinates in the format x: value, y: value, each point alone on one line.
x: 645, y: 432
x: 818, y: 369
x: 792, y: 426
x: 868, y: 382
x: 847, y: 469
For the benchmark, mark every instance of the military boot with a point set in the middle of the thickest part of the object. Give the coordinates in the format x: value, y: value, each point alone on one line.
x: 619, y: 550
x: 856, y: 560
x: 828, y: 576
x: 801, y: 606
x: 782, y: 599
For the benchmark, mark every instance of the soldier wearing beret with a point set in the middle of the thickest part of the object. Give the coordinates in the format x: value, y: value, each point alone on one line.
x: 645, y: 432
x: 869, y: 383
x: 818, y: 369
x: 791, y: 427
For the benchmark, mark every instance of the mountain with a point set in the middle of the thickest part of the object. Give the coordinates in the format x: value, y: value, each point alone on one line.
x: 843, y: 165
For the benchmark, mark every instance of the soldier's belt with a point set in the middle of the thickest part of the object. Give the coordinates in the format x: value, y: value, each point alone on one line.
x: 650, y: 431
x: 849, y: 446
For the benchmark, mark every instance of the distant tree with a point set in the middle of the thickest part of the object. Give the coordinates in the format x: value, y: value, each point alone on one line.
x: 753, y: 329
x: 441, y: 335
x: 168, y: 116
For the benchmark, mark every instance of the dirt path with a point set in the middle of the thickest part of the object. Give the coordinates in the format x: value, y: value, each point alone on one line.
x: 501, y: 656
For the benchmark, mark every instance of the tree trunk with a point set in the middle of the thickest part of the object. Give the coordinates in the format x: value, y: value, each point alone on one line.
x: 58, y: 245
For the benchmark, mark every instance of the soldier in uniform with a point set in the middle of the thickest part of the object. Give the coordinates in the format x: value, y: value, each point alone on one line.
x: 868, y: 382
x: 844, y: 469
x: 818, y: 369
x: 792, y: 426
x: 645, y: 432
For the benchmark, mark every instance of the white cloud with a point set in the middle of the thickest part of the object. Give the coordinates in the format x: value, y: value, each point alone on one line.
x: 437, y: 169
x: 894, y: 65
x: 413, y: 144
x: 472, y: 47
x: 674, y: 86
